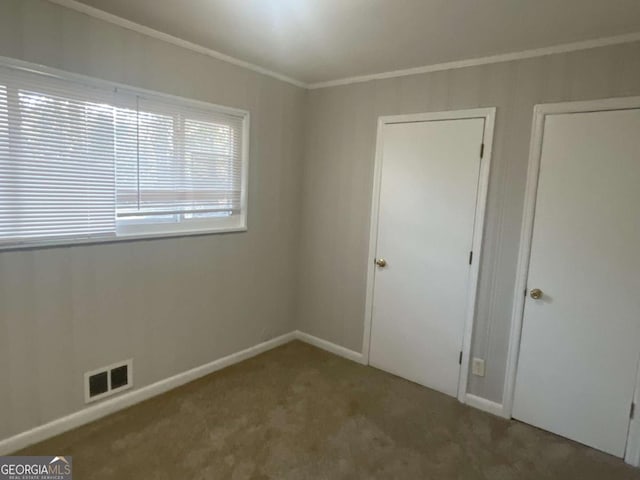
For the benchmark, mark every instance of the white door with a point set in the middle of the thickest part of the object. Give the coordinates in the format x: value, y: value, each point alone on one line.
x: 426, y: 214
x: 581, y: 339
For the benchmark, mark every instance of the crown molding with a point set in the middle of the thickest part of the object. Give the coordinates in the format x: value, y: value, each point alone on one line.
x: 472, y: 62
x: 165, y: 37
x: 506, y: 57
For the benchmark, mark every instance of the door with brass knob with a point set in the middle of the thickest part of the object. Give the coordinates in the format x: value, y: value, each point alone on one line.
x: 429, y: 177
x: 580, y: 336
x: 536, y: 294
x: 381, y: 262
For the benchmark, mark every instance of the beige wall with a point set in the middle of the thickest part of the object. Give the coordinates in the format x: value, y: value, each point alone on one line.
x: 171, y: 304
x: 337, y: 185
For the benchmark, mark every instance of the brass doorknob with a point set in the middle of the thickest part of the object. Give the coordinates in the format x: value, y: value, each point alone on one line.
x: 536, y: 294
x: 381, y: 262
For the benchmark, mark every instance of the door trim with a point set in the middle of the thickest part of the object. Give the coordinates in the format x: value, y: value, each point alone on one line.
x: 632, y: 454
x: 488, y: 114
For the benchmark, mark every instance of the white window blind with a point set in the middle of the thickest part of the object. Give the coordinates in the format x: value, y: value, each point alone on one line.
x: 185, y: 162
x: 56, y: 159
x: 83, y: 162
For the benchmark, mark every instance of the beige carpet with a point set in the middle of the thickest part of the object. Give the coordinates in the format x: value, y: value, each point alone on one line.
x: 300, y: 413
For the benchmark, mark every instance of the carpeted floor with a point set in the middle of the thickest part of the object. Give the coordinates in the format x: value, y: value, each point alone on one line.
x: 300, y: 413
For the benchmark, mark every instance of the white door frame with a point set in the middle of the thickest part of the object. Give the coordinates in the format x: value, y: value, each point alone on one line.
x: 632, y: 454
x: 488, y: 114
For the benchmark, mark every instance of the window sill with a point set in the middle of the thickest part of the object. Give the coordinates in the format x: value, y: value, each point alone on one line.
x: 119, y: 239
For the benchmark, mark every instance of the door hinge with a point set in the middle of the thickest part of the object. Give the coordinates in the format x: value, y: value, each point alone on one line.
x: 482, y: 150
x: 460, y: 359
x: 470, y: 257
x: 632, y: 411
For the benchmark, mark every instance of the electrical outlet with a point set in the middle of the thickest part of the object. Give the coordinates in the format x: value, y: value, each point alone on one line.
x: 477, y: 367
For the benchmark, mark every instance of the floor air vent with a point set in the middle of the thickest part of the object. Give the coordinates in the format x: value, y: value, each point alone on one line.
x: 108, y: 381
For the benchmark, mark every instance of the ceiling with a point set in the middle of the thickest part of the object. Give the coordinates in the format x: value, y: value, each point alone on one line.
x: 320, y: 40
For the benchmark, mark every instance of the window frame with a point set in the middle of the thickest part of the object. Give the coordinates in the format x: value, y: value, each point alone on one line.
x: 142, y: 231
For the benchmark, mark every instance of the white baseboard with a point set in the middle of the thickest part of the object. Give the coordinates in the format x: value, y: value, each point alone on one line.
x: 107, y: 407
x: 469, y: 399
x: 330, y: 347
x: 102, y: 409
x: 485, y: 405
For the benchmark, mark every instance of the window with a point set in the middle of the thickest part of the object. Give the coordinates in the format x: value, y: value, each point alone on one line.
x: 87, y: 162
